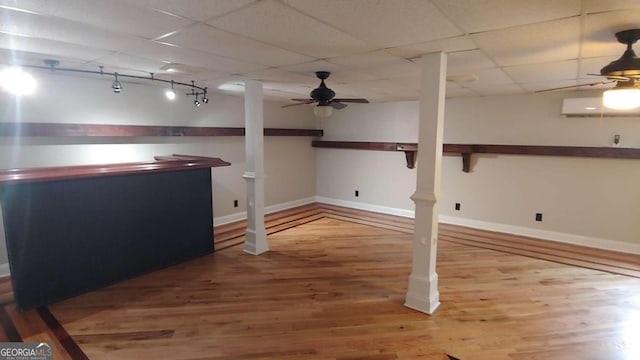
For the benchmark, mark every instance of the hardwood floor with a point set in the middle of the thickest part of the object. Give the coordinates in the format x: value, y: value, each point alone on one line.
x: 332, y: 287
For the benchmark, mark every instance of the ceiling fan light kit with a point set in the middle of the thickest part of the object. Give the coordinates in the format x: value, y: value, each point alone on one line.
x: 322, y: 111
x: 621, y: 98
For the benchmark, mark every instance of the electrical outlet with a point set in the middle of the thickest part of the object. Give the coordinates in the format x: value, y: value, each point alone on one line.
x: 235, y: 203
x: 457, y: 206
x: 357, y: 193
x: 538, y: 216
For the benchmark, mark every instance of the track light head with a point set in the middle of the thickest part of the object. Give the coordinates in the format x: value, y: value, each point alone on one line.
x: 170, y: 93
x: 196, y: 102
x: 205, y: 99
x: 117, y: 87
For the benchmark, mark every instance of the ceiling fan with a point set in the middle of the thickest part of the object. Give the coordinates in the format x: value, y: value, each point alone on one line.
x: 625, y: 72
x: 325, y: 98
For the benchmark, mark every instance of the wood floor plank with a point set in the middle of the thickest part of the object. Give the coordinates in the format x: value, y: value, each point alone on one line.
x: 332, y: 287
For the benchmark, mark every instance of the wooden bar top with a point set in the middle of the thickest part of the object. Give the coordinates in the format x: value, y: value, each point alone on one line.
x: 162, y: 164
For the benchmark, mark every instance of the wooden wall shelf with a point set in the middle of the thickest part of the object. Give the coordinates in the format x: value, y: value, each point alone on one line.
x: 44, y: 129
x: 466, y: 150
x: 410, y: 149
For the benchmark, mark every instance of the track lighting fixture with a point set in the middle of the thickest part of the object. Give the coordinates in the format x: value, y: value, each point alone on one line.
x: 117, y: 87
x: 170, y: 93
x: 20, y: 82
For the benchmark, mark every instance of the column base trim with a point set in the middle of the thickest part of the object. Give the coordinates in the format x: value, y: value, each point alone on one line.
x: 423, y: 294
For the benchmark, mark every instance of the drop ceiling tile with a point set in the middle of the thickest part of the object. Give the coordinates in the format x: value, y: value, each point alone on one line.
x: 387, y: 24
x: 509, y: 89
x: 274, y: 23
x: 193, y: 58
x: 205, y: 38
x: 129, y: 62
x: 198, y: 10
x: 593, y: 66
x: 458, y: 43
x: 600, y: 29
x: 16, y: 57
x: 339, y: 73
x: 489, y: 77
x: 273, y: 75
x: 475, y: 16
x: 25, y: 24
x: 594, y: 6
x: 530, y: 44
x: 547, y: 85
x: 459, y: 92
x: 202, y: 78
x: 50, y: 48
x: 379, y: 64
x: 562, y: 70
x: 466, y: 61
x: 114, y: 16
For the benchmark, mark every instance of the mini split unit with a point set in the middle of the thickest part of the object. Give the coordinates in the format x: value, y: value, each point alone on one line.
x: 592, y: 107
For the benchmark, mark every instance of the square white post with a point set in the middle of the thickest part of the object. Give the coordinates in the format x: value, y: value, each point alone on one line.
x: 423, y: 294
x: 256, y: 235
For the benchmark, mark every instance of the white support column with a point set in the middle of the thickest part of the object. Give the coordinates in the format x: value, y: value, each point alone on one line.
x: 256, y: 235
x: 422, y: 294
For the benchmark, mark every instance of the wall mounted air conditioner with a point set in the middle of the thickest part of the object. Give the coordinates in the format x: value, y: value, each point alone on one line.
x: 592, y: 107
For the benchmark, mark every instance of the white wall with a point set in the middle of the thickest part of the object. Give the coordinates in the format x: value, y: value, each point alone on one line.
x: 65, y: 99
x: 595, y: 202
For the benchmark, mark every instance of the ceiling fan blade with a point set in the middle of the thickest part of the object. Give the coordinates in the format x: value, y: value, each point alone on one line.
x: 614, y: 77
x: 576, y: 86
x: 363, y: 101
x: 302, y: 102
x: 337, y: 105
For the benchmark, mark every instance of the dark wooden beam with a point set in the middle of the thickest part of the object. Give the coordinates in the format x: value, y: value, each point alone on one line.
x: 467, y: 150
x: 44, y: 129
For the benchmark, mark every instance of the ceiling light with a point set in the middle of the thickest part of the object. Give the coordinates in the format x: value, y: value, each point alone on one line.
x: 117, y: 87
x: 170, y: 93
x: 621, y: 98
x: 322, y: 111
x: 178, y: 68
x: 196, y: 102
x: 205, y: 99
x: 17, y: 81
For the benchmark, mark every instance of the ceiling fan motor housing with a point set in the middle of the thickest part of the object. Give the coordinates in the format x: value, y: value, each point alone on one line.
x: 322, y: 94
x: 629, y: 64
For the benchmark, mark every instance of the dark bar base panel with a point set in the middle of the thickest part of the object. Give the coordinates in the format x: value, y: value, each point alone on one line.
x: 67, y: 237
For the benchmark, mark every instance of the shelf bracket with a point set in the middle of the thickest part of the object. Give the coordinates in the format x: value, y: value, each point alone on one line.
x: 410, y: 153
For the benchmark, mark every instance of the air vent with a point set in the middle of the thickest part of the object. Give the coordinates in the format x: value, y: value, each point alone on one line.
x: 592, y: 107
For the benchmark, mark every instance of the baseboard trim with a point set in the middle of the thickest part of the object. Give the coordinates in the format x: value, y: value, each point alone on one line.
x: 567, y: 238
x: 366, y: 206
x: 221, y: 220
